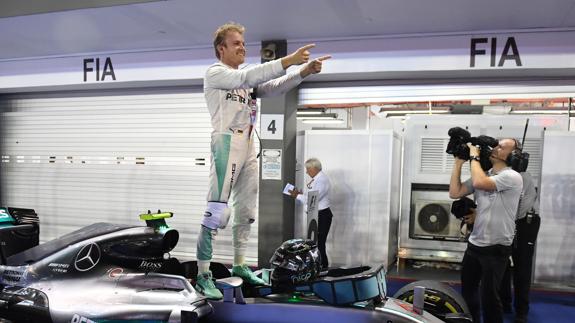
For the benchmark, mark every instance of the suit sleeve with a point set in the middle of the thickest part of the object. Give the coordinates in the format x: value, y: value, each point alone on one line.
x: 280, y: 85
x: 222, y: 77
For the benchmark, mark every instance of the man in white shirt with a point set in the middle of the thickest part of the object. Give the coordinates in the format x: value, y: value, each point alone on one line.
x: 230, y: 95
x: 319, y: 182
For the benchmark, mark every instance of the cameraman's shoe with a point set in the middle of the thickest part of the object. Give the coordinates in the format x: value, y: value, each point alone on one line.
x: 245, y: 273
x: 206, y: 286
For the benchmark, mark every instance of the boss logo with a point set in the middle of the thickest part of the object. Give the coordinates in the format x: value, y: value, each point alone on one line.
x: 300, y: 278
x: 150, y: 265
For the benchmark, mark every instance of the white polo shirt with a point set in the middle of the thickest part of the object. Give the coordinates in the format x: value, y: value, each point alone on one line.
x: 319, y: 183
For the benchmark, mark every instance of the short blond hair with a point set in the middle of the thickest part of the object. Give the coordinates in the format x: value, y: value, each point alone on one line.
x: 220, y: 34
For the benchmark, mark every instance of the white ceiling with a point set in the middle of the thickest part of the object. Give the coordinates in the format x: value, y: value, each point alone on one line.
x: 190, y: 23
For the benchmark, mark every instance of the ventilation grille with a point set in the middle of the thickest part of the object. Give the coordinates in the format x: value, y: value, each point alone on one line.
x: 434, y: 160
x: 534, y: 146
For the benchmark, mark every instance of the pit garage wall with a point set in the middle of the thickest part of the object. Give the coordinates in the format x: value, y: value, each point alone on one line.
x: 517, y: 54
x: 109, y: 156
x: 442, y: 57
x: 555, y: 255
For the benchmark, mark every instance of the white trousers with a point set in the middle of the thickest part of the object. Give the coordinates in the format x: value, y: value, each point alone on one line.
x: 233, y: 178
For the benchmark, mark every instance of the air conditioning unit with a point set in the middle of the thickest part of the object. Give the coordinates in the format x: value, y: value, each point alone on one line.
x: 431, y: 217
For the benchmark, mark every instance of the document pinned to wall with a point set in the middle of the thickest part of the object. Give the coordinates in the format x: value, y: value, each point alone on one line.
x: 272, y: 164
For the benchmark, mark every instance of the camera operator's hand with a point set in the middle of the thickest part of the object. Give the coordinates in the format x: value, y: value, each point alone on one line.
x: 473, y: 150
x: 470, y: 218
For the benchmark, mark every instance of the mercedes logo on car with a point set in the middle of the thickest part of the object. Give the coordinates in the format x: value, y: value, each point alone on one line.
x: 87, y: 258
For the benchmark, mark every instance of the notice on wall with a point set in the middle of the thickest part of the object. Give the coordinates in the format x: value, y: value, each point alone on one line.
x: 272, y: 164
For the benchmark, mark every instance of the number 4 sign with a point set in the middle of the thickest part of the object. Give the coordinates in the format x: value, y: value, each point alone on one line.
x: 272, y: 126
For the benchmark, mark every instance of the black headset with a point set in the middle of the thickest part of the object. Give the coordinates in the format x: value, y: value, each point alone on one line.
x: 517, y: 159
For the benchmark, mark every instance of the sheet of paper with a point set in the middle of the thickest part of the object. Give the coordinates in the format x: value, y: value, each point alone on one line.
x: 289, y: 187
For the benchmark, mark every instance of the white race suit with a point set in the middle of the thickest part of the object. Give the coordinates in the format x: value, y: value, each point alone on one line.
x: 234, y: 170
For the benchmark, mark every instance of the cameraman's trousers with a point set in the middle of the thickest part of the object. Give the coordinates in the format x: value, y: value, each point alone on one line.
x: 481, y: 275
x: 522, y: 255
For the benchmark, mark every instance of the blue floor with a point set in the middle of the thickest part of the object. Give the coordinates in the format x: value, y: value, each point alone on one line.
x: 545, y: 306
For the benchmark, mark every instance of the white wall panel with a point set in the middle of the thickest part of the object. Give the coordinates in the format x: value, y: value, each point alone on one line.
x: 80, y: 159
x: 364, y: 172
x: 555, y: 256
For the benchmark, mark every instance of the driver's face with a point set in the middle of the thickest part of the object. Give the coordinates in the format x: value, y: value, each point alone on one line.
x: 233, y: 50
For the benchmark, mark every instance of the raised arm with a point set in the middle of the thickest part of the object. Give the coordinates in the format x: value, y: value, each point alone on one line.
x: 222, y: 77
x: 300, y: 56
x: 287, y: 82
x: 456, y: 188
x: 479, y: 179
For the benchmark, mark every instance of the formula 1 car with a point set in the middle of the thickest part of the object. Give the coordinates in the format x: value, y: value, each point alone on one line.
x: 100, y: 273
x: 118, y: 273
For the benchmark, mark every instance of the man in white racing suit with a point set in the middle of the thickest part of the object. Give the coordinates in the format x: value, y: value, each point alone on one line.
x: 230, y: 96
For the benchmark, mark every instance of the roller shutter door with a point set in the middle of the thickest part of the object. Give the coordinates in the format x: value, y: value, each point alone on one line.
x: 85, y: 158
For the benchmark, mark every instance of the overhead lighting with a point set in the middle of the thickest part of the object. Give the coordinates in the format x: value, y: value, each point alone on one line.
x: 323, y: 116
x: 539, y: 111
x: 319, y: 118
x: 322, y: 121
x: 395, y: 112
x: 497, y: 109
x: 306, y: 112
x: 309, y: 113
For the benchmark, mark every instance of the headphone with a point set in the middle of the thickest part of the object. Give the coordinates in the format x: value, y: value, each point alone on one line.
x: 517, y: 159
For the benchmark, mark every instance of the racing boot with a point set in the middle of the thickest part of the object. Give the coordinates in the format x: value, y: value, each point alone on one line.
x: 245, y: 273
x: 205, y: 285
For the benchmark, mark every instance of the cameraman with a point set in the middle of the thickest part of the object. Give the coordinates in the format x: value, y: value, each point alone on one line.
x: 497, y: 196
